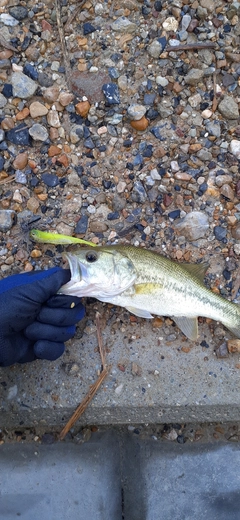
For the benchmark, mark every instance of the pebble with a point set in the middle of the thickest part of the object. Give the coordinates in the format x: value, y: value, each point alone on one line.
x: 123, y: 25
x: 228, y: 108
x: 156, y: 47
x: 7, y: 90
x: 19, y: 135
x: 19, y: 12
x: 7, y: 219
x: 3, y: 100
x: 111, y: 93
x: 23, y: 86
x: 161, y: 80
x: 33, y: 204
x: 186, y: 19
x: 136, y: 112
x: 220, y: 233
x: 7, y: 19
x: 21, y: 160
x: 193, y: 226
x: 31, y: 71
x: 83, y: 108
x: 138, y: 192
x: 37, y: 109
x: 194, y: 76
x: 140, y: 124
x: 227, y: 191
x: 213, y: 128
x: 235, y: 148
x: 20, y: 177
x: 82, y: 225
x: 50, y: 179
x: 53, y: 119
x: 170, y: 24
x: 38, y: 132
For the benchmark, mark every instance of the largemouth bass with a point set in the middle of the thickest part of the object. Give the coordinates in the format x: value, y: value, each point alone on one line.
x: 147, y: 283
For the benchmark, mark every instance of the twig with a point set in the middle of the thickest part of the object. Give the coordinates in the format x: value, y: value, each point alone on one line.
x: 63, y: 44
x: 190, y: 46
x: 7, y: 45
x: 84, y: 404
x: 73, y: 15
x: 7, y: 180
x: 93, y: 388
x: 215, y: 101
x: 102, y: 350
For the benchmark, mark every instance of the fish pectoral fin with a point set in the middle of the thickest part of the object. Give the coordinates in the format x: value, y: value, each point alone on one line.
x: 141, y: 313
x: 189, y: 326
x: 197, y: 270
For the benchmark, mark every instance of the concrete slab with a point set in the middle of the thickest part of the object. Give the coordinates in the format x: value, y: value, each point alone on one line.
x: 176, y: 381
x: 119, y: 476
x: 62, y: 481
x: 190, y: 482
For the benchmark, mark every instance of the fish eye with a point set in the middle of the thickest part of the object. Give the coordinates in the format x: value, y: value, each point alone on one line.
x: 91, y: 257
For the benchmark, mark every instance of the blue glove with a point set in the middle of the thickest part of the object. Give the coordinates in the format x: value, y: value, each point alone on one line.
x: 34, y: 320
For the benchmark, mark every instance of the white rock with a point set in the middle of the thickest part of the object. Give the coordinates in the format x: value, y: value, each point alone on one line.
x: 170, y: 24
x: 174, y: 166
x: 186, y: 19
x: 236, y: 249
x: 206, y: 114
x: 194, y: 100
x: 136, y: 112
x: 7, y: 19
x: 3, y: 100
x: 160, y: 80
x: 155, y: 175
x: 235, y: 148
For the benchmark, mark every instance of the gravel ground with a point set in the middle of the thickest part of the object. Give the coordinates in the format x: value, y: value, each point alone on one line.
x: 177, y: 433
x: 119, y: 123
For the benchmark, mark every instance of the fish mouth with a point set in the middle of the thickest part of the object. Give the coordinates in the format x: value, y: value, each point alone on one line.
x: 78, y: 283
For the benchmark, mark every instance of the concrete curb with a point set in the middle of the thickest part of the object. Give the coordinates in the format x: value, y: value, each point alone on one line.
x: 170, y: 386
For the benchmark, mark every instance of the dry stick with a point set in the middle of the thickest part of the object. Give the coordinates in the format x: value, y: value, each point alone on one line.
x: 8, y: 179
x: 84, y: 404
x: 190, y: 46
x: 93, y: 388
x: 215, y: 101
x: 102, y: 350
x: 73, y: 15
x: 66, y: 59
x: 7, y: 45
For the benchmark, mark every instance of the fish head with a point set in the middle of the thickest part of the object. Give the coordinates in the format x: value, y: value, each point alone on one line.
x: 99, y: 272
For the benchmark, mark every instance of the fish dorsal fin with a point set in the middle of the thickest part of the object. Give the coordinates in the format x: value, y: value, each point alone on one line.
x: 141, y: 313
x: 197, y: 270
x: 189, y: 326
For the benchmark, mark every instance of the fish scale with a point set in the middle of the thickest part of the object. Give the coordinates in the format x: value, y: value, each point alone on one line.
x: 147, y: 283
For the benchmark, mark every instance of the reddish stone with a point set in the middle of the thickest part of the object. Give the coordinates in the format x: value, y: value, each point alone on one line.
x: 63, y: 159
x: 46, y: 26
x: 22, y: 114
x: 238, y: 189
x: 89, y: 84
x: 167, y: 200
x: 193, y: 24
x: 54, y: 150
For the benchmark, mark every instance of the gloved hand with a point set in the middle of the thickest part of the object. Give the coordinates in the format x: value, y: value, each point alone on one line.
x: 34, y: 320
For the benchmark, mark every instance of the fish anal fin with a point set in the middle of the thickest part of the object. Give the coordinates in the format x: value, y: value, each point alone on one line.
x: 197, y: 270
x: 189, y: 326
x: 141, y: 313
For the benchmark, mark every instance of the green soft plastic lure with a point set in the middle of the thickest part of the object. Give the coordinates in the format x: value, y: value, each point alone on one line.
x: 45, y: 237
